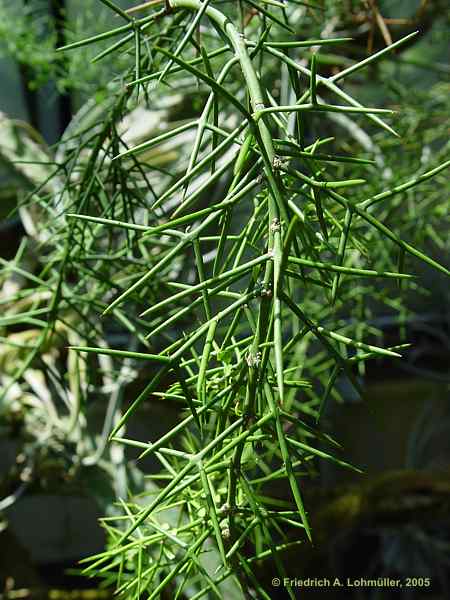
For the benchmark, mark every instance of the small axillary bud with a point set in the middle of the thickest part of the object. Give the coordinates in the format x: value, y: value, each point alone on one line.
x: 275, y: 225
x: 225, y: 509
x: 253, y: 360
x: 277, y: 163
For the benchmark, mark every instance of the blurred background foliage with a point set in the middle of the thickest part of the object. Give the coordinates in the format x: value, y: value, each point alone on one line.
x: 56, y: 465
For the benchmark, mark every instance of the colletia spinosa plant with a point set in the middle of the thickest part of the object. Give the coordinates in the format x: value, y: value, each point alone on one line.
x: 231, y: 247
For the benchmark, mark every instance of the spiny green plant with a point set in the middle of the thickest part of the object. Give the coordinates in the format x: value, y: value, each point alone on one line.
x: 230, y: 254
x: 29, y: 36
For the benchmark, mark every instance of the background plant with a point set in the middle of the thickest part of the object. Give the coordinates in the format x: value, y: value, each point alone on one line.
x: 230, y: 251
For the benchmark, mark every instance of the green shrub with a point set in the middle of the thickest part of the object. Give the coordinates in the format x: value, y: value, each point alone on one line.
x: 236, y: 255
